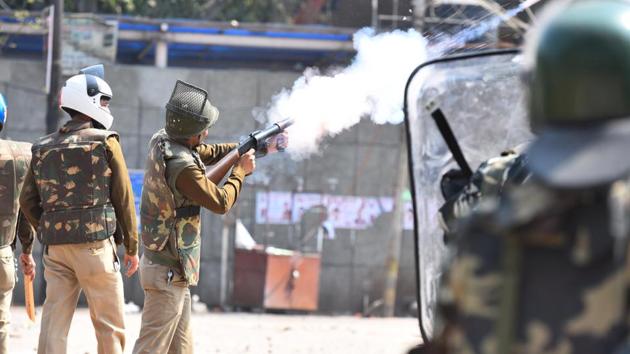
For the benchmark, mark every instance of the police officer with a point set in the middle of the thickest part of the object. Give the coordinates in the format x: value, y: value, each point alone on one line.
x: 175, y: 188
x: 488, y: 181
x: 543, y: 268
x: 15, y: 158
x: 76, y: 192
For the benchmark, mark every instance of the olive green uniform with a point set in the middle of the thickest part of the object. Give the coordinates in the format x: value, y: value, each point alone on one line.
x: 15, y: 158
x: 175, y: 187
x: 76, y: 193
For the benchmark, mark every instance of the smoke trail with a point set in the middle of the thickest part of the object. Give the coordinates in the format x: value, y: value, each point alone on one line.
x: 325, y: 105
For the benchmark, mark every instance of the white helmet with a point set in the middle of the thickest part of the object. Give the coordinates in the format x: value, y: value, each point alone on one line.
x: 83, y: 93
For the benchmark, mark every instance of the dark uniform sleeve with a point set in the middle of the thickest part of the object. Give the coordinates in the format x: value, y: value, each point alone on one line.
x: 211, y: 154
x: 30, y: 202
x: 25, y: 233
x: 122, y: 196
x: 193, y: 184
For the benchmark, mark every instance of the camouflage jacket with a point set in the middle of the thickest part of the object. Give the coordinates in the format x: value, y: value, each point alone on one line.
x: 15, y: 158
x: 541, y: 271
x: 72, y: 175
x: 171, y: 223
x: 487, y: 181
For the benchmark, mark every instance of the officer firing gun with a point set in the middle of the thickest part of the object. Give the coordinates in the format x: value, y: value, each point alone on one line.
x: 176, y: 187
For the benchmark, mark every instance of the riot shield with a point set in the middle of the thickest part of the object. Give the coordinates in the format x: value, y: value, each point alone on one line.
x: 482, y: 97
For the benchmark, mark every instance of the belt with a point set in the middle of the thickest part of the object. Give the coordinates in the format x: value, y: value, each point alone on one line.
x: 188, y: 211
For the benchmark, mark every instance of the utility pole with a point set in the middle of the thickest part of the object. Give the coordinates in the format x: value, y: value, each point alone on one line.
x: 375, y: 15
x: 54, y: 72
x: 393, y: 255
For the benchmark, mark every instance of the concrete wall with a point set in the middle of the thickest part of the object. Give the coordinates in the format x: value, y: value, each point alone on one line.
x: 362, y: 161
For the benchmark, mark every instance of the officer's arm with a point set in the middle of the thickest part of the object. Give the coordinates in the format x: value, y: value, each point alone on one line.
x: 193, y: 184
x: 212, y: 153
x: 122, y: 196
x: 30, y: 202
x: 25, y: 233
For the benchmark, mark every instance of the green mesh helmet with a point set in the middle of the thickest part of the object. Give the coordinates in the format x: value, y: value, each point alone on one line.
x: 188, y: 111
x: 580, y: 95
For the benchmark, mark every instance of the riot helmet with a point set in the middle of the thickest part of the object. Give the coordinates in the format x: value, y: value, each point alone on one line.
x: 580, y: 95
x: 83, y: 93
x: 188, y: 111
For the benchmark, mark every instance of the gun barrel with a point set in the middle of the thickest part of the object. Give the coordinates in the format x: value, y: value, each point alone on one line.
x: 285, y: 123
x: 273, y: 129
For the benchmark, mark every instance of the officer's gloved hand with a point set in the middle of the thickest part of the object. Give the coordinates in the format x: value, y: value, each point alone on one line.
x: 452, y: 183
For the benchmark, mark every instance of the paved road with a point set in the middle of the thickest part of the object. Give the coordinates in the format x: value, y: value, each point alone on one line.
x: 247, y: 333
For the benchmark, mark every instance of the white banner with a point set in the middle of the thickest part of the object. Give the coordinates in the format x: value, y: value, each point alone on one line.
x: 344, y: 212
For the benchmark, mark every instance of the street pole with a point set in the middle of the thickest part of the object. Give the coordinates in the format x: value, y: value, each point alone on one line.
x: 375, y: 15
x: 225, y: 240
x: 52, y: 113
x: 393, y: 255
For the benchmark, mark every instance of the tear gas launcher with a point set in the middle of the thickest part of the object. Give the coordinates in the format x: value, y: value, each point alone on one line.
x: 254, y: 141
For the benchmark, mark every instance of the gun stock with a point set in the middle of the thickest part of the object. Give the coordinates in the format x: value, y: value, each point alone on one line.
x: 221, y: 168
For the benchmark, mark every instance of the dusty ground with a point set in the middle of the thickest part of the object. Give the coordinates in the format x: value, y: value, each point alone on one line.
x: 247, y: 333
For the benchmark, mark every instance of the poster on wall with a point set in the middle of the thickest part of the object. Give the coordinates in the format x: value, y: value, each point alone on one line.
x: 86, y: 40
x: 274, y: 208
x: 344, y: 212
x: 284, y: 208
x: 302, y: 202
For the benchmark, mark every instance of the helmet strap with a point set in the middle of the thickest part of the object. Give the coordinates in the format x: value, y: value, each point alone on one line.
x: 98, y: 125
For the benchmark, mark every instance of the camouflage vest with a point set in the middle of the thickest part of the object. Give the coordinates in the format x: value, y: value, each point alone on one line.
x: 15, y: 158
x: 487, y: 182
x: 73, y: 179
x: 541, y: 271
x: 171, y: 224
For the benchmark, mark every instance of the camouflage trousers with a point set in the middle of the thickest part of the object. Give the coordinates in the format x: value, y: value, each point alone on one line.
x: 166, y: 314
x: 7, y: 282
x: 94, y: 268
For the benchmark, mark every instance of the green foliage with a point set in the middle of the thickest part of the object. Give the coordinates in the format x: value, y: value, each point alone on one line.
x: 255, y: 10
x: 281, y: 11
x: 169, y: 8
x: 29, y: 5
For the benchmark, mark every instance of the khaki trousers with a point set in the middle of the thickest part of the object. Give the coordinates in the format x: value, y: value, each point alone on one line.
x: 7, y: 282
x: 166, y: 314
x: 93, y: 268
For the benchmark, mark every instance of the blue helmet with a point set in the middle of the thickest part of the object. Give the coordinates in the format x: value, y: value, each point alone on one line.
x: 3, y: 111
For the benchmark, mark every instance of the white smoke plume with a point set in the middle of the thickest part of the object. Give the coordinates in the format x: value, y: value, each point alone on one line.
x: 372, y: 86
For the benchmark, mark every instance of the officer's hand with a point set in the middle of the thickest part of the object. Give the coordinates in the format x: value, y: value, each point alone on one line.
x: 278, y: 142
x: 248, y: 162
x: 28, y: 265
x: 131, y: 263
